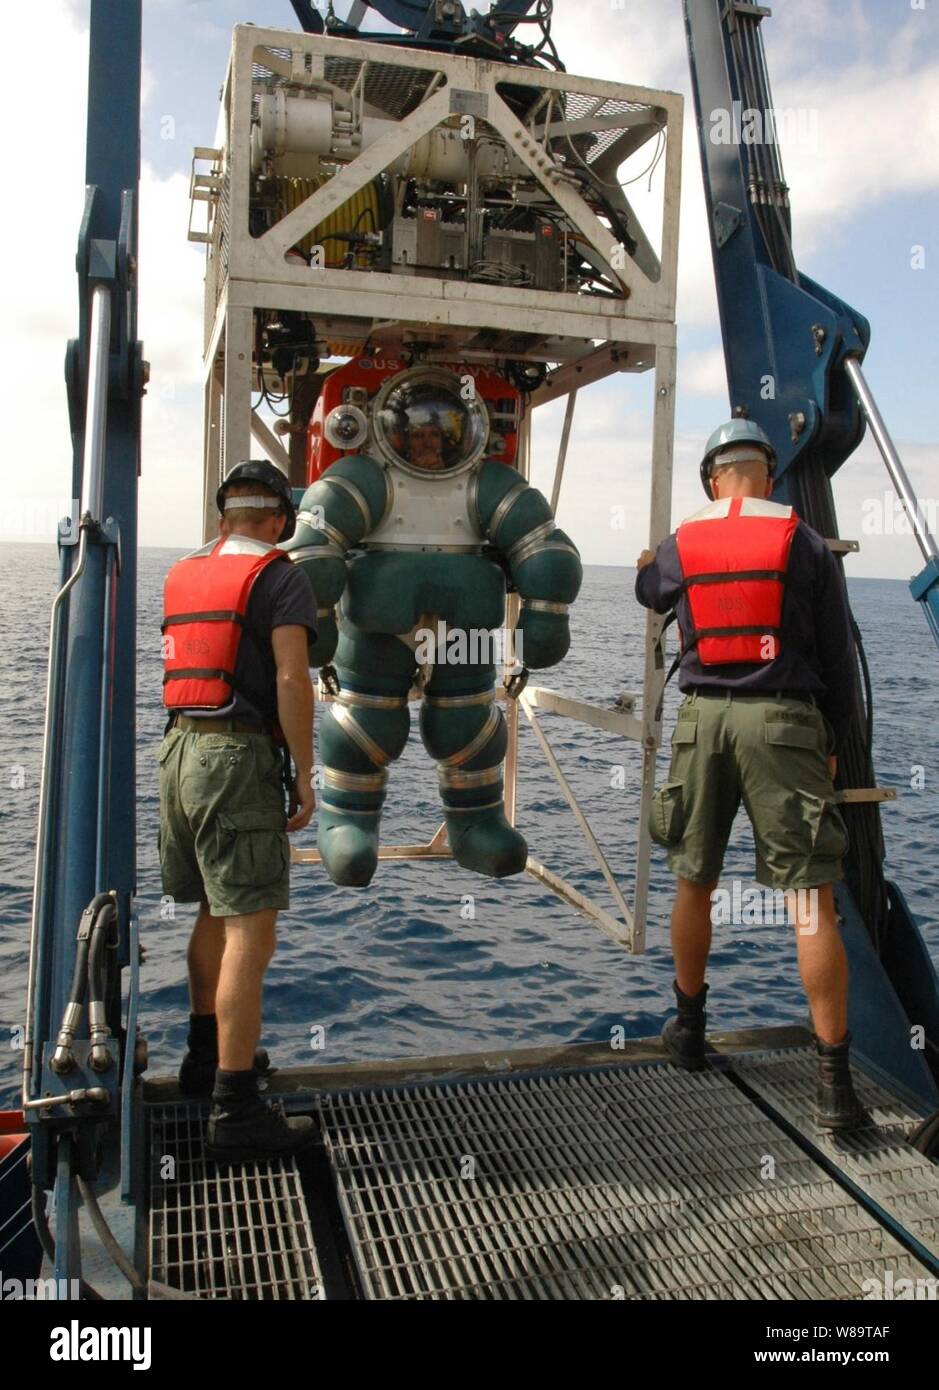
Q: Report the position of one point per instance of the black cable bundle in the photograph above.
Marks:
(864, 870)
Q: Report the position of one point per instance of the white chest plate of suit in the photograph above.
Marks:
(428, 512)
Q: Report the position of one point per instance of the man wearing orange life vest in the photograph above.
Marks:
(237, 620)
(767, 666)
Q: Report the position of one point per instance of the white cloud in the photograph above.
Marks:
(38, 293)
(605, 501)
(605, 494)
(41, 311)
(878, 138)
(637, 41)
(703, 373)
(170, 325)
(697, 293)
(869, 151)
(869, 510)
(877, 119)
(171, 271)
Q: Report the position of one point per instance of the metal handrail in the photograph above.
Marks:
(104, 726)
(96, 422)
(924, 537)
(96, 417)
(40, 877)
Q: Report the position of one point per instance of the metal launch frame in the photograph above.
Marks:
(384, 104)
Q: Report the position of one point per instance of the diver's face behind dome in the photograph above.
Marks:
(425, 446)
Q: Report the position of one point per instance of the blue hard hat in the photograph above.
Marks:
(729, 435)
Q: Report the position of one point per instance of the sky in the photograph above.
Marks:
(864, 180)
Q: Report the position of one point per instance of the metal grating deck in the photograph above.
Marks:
(637, 1182)
(901, 1181)
(238, 1232)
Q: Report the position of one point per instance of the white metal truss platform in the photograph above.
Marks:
(610, 1182)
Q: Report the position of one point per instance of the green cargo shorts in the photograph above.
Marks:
(768, 752)
(222, 818)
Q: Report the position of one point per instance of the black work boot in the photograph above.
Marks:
(837, 1107)
(243, 1127)
(198, 1067)
(683, 1036)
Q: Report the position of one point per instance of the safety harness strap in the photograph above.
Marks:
(206, 673)
(217, 615)
(727, 576)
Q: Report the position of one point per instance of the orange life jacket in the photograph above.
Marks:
(205, 598)
(734, 556)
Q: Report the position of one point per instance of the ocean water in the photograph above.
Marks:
(430, 959)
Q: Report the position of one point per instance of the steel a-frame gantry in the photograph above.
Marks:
(345, 112)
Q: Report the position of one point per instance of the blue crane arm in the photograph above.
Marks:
(78, 1071)
(443, 25)
(785, 337)
(505, 13)
(793, 352)
(422, 17)
(311, 21)
(792, 348)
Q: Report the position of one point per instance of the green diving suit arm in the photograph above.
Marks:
(543, 563)
(336, 513)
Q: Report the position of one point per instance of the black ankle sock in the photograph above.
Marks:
(235, 1085)
(203, 1034)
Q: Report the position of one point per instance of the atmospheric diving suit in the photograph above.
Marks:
(417, 537)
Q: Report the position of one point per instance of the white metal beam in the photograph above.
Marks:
(268, 439)
(364, 168)
(611, 721)
(562, 450)
(607, 923)
(238, 373)
(579, 816)
(660, 510)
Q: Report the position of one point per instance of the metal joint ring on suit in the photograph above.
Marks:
(544, 605)
(503, 508)
(332, 532)
(358, 697)
(453, 777)
(355, 781)
(477, 744)
(542, 547)
(316, 552)
(480, 697)
(357, 495)
(531, 541)
(350, 726)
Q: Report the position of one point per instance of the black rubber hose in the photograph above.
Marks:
(80, 973)
(925, 1137)
(41, 1223)
(864, 864)
(107, 1238)
(97, 945)
(76, 993)
(868, 690)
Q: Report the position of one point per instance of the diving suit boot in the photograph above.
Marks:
(837, 1106)
(683, 1035)
(348, 844)
(243, 1127)
(485, 843)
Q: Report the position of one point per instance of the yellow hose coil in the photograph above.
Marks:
(360, 213)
